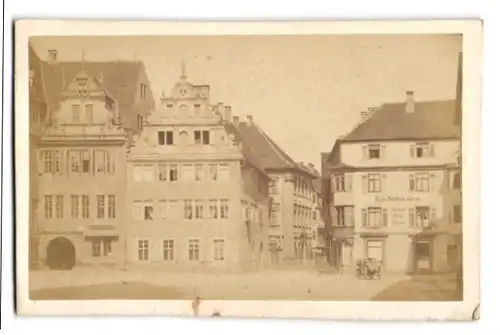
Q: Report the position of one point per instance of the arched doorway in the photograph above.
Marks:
(61, 254)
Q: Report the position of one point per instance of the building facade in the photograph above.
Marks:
(394, 185)
(294, 207)
(93, 110)
(197, 198)
(37, 112)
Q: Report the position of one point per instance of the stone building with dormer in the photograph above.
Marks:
(197, 196)
(94, 108)
(295, 210)
(392, 181)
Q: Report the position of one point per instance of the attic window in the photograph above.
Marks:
(82, 85)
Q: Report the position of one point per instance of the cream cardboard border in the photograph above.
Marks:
(472, 66)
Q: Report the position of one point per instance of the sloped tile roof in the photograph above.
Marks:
(247, 151)
(431, 119)
(120, 79)
(268, 153)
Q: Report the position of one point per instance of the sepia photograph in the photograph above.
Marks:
(313, 167)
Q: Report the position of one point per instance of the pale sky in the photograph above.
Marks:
(304, 91)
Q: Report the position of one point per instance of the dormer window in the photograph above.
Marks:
(374, 151)
(82, 85)
(422, 150)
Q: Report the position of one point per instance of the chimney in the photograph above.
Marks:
(236, 120)
(249, 119)
(410, 102)
(52, 55)
(227, 113)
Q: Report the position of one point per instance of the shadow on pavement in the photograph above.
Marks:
(432, 287)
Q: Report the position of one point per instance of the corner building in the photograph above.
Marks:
(93, 108)
(197, 196)
(395, 182)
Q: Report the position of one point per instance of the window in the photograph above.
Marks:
(197, 137)
(85, 206)
(140, 121)
(85, 161)
(59, 206)
(422, 216)
(198, 169)
(100, 206)
(273, 187)
(161, 138)
(213, 209)
(82, 85)
(342, 183)
(168, 250)
(148, 210)
(374, 151)
(101, 246)
(420, 182)
(212, 168)
(421, 150)
(218, 250)
(75, 208)
(170, 109)
(188, 209)
(143, 250)
(223, 171)
(374, 183)
(198, 209)
(457, 213)
(89, 113)
(110, 162)
(162, 172)
(206, 137)
(143, 91)
(173, 174)
(165, 138)
(111, 207)
(76, 113)
(48, 206)
(99, 161)
(275, 211)
(457, 180)
(197, 109)
(374, 217)
(194, 250)
(79, 161)
(224, 209)
(51, 161)
(96, 247)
